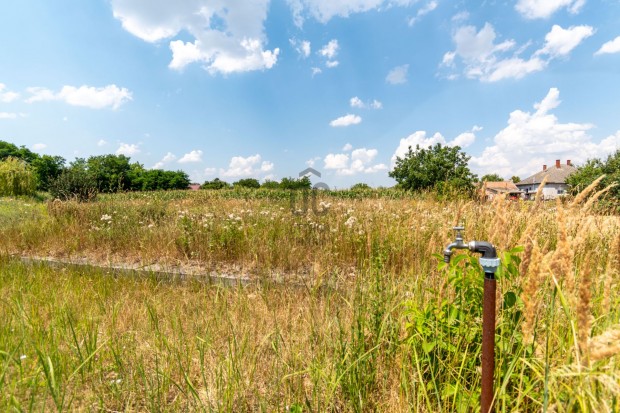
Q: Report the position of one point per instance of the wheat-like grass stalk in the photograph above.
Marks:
(583, 194)
(530, 290)
(605, 345)
(588, 205)
(584, 311)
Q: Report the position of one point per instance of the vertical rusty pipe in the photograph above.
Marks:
(488, 343)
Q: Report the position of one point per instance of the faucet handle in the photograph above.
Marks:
(458, 232)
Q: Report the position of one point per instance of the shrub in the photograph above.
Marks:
(76, 184)
(16, 178)
(215, 184)
(247, 183)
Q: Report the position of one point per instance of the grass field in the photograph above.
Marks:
(350, 310)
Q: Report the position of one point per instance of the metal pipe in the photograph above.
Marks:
(488, 343)
(489, 263)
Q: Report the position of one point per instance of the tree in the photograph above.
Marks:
(74, 183)
(361, 186)
(111, 172)
(491, 178)
(16, 177)
(438, 167)
(515, 179)
(269, 184)
(592, 169)
(247, 183)
(292, 183)
(8, 149)
(47, 168)
(215, 184)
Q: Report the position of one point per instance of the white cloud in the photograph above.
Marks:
(227, 36)
(102, 142)
(7, 96)
(311, 162)
(8, 115)
(360, 161)
(86, 96)
(336, 161)
(302, 47)
(427, 8)
(464, 140)
(329, 52)
(191, 157)
(532, 139)
(612, 46)
(324, 10)
(39, 146)
(356, 102)
(488, 61)
(419, 138)
(346, 120)
(168, 157)
(560, 42)
(250, 166)
(398, 75)
(127, 149)
(210, 171)
(542, 9)
(347, 147)
(316, 71)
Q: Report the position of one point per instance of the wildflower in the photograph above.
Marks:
(106, 217)
(23, 357)
(350, 222)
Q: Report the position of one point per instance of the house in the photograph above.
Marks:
(194, 186)
(505, 188)
(556, 181)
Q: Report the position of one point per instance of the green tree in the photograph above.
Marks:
(247, 183)
(16, 177)
(215, 184)
(8, 149)
(491, 178)
(111, 172)
(74, 183)
(594, 168)
(269, 184)
(361, 186)
(439, 167)
(515, 179)
(47, 168)
(292, 183)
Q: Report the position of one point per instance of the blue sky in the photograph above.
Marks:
(259, 88)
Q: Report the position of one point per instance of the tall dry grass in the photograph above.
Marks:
(373, 323)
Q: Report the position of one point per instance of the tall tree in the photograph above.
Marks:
(491, 178)
(111, 172)
(438, 167)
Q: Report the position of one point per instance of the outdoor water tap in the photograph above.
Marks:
(457, 244)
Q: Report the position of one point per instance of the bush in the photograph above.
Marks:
(247, 183)
(76, 184)
(215, 184)
(16, 178)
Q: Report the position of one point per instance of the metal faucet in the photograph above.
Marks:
(489, 263)
(457, 244)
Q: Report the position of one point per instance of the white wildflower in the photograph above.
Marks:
(350, 222)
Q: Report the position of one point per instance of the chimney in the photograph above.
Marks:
(544, 168)
(557, 163)
(568, 162)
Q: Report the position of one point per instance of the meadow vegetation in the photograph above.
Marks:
(350, 309)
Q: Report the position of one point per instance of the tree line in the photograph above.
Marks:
(82, 177)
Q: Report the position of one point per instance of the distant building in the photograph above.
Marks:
(504, 188)
(194, 187)
(556, 181)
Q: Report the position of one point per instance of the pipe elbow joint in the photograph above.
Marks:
(489, 260)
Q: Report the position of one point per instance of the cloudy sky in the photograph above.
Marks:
(259, 88)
